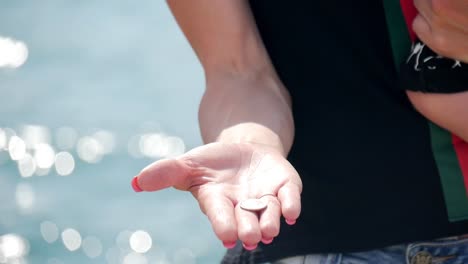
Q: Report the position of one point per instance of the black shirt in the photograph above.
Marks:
(363, 153)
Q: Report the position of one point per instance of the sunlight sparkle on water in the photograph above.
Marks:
(106, 139)
(27, 166)
(3, 139)
(175, 147)
(153, 145)
(13, 53)
(44, 155)
(42, 172)
(17, 148)
(122, 240)
(92, 247)
(64, 163)
(135, 258)
(13, 247)
(89, 149)
(25, 196)
(49, 231)
(71, 239)
(156, 145)
(34, 134)
(140, 241)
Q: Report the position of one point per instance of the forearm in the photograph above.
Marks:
(449, 111)
(244, 100)
(222, 33)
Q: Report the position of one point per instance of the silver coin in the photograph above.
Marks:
(253, 205)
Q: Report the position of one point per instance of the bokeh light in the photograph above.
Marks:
(123, 240)
(27, 166)
(3, 139)
(89, 149)
(49, 231)
(153, 145)
(157, 145)
(13, 247)
(64, 163)
(140, 241)
(175, 147)
(42, 171)
(71, 239)
(92, 247)
(133, 147)
(34, 153)
(44, 155)
(25, 196)
(134, 258)
(106, 140)
(17, 148)
(13, 53)
(34, 135)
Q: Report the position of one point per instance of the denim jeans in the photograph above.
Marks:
(453, 250)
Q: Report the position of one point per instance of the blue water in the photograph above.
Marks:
(113, 65)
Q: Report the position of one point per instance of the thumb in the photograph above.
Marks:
(163, 174)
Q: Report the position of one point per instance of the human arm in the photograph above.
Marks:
(244, 100)
(245, 114)
(443, 26)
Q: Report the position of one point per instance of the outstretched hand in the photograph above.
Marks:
(220, 176)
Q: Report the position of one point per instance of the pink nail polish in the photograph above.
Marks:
(252, 247)
(267, 241)
(229, 245)
(135, 185)
(290, 222)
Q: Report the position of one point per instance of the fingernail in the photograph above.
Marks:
(252, 247)
(229, 244)
(267, 241)
(290, 222)
(135, 185)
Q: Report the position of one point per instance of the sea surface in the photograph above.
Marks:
(94, 92)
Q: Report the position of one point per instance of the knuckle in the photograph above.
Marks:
(441, 44)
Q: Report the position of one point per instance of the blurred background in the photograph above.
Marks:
(90, 93)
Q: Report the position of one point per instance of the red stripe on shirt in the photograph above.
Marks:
(409, 12)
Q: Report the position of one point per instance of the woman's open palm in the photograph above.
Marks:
(220, 176)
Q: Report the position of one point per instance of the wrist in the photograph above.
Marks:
(255, 135)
